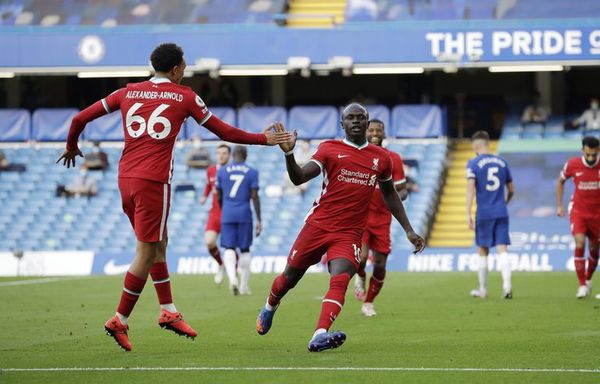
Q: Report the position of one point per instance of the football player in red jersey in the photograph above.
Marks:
(334, 225)
(213, 223)
(153, 112)
(584, 210)
(376, 236)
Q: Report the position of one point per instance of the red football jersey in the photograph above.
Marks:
(210, 188)
(153, 112)
(379, 214)
(586, 198)
(350, 174)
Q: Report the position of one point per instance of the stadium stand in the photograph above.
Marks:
(51, 124)
(192, 128)
(128, 12)
(404, 10)
(553, 129)
(15, 125)
(312, 122)
(300, 13)
(41, 221)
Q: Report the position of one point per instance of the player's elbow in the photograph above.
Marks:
(297, 179)
(78, 120)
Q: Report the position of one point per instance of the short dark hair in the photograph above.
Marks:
(166, 56)
(227, 147)
(377, 121)
(590, 142)
(240, 151)
(481, 135)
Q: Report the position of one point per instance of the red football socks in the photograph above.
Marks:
(334, 300)
(281, 286)
(132, 290)
(216, 254)
(375, 284)
(580, 265)
(592, 263)
(162, 283)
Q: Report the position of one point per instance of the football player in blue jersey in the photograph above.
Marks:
(237, 185)
(489, 179)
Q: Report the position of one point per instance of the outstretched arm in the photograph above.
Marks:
(99, 108)
(392, 200)
(298, 175)
(236, 135)
(77, 125)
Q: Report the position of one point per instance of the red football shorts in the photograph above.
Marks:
(312, 243)
(213, 223)
(378, 238)
(589, 226)
(147, 204)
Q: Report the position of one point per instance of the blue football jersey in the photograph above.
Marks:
(491, 174)
(236, 181)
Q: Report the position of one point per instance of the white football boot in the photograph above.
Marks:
(368, 309)
(582, 292)
(220, 275)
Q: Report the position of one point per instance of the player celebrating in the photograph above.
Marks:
(488, 176)
(237, 184)
(334, 225)
(153, 112)
(376, 236)
(584, 209)
(213, 224)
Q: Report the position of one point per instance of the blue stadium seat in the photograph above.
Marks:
(52, 124)
(314, 122)
(256, 119)
(15, 125)
(416, 121)
(192, 128)
(380, 112)
(106, 128)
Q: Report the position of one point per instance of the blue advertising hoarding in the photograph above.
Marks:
(422, 42)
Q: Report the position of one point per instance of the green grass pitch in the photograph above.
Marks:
(424, 320)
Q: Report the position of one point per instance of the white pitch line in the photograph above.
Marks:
(382, 369)
(38, 281)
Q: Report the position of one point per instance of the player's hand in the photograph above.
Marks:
(202, 200)
(68, 157)
(560, 211)
(290, 144)
(276, 134)
(470, 222)
(258, 228)
(416, 240)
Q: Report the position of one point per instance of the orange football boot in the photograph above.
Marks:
(174, 322)
(118, 331)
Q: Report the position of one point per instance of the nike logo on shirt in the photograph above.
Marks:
(342, 156)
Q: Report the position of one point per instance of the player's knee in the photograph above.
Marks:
(379, 262)
(293, 275)
(341, 266)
